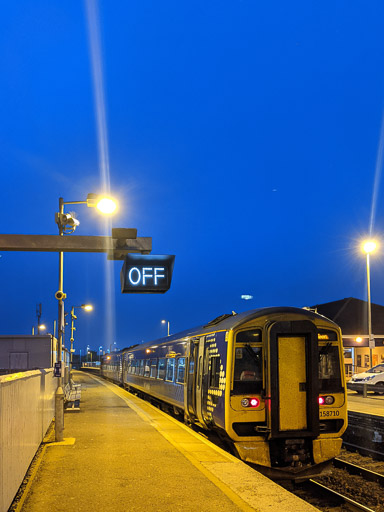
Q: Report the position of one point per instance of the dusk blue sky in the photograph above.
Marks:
(244, 137)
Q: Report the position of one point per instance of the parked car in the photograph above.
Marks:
(372, 378)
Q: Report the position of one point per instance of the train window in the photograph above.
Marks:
(132, 368)
(170, 370)
(180, 370)
(147, 368)
(141, 369)
(153, 368)
(214, 377)
(248, 374)
(329, 369)
(161, 368)
(249, 336)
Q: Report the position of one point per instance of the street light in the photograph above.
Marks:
(369, 246)
(166, 322)
(86, 307)
(67, 224)
(40, 327)
(100, 351)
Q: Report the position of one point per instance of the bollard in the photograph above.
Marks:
(364, 391)
(59, 414)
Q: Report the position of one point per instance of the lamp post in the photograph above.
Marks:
(67, 225)
(86, 307)
(166, 322)
(40, 327)
(369, 247)
(100, 351)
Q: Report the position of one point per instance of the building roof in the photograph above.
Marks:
(352, 315)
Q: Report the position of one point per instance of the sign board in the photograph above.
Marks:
(147, 273)
(371, 343)
(57, 370)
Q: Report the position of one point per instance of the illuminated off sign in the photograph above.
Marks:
(146, 273)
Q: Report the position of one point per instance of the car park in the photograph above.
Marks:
(373, 379)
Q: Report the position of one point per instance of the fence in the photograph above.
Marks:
(27, 403)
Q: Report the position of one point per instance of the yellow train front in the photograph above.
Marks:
(270, 381)
(285, 391)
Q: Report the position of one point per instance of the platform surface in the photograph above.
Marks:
(122, 454)
(372, 404)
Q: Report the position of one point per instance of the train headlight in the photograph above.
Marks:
(250, 402)
(327, 400)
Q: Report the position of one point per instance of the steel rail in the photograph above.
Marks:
(365, 451)
(320, 489)
(353, 469)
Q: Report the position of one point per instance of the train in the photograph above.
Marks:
(270, 382)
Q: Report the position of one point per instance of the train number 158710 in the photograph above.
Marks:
(327, 414)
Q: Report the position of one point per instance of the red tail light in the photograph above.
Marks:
(254, 402)
(250, 402)
(321, 400)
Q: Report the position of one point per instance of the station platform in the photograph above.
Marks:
(372, 405)
(122, 454)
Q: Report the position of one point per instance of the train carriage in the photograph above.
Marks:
(270, 381)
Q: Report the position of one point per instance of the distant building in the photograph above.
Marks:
(23, 353)
(352, 316)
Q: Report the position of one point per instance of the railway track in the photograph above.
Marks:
(328, 497)
(353, 469)
(348, 488)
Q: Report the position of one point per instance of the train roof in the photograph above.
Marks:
(231, 321)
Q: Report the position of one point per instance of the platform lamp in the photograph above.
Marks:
(166, 322)
(40, 327)
(369, 246)
(86, 307)
(67, 223)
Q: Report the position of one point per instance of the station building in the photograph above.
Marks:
(352, 316)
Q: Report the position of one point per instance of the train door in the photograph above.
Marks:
(195, 379)
(293, 379)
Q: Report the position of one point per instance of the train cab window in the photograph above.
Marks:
(153, 368)
(170, 369)
(141, 370)
(249, 336)
(248, 373)
(329, 369)
(161, 368)
(180, 370)
(214, 376)
(147, 368)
